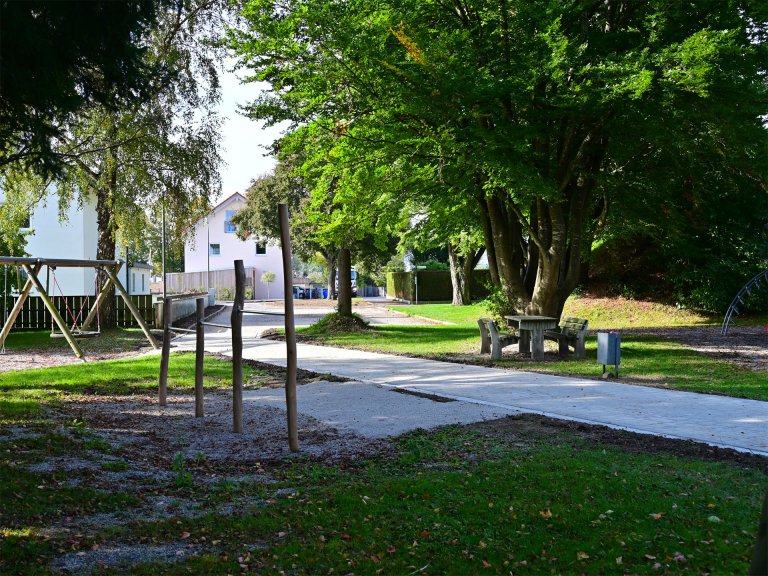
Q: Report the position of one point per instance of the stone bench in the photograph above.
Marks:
(493, 341)
(573, 332)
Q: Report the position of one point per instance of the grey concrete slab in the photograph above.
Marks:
(374, 411)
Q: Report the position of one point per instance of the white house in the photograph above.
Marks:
(74, 237)
(213, 245)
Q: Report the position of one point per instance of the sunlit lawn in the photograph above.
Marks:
(648, 359)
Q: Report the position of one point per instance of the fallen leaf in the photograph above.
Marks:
(184, 536)
(678, 557)
(649, 557)
(582, 556)
(545, 513)
(656, 516)
(486, 564)
(619, 561)
(714, 519)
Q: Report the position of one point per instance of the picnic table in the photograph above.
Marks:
(531, 330)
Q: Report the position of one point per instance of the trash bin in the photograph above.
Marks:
(609, 349)
(325, 292)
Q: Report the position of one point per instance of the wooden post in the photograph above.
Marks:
(97, 303)
(129, 303)
(17, 307)
(32, 274)
(199, 357)
(290, 331)
(162, 392)
(237, 347)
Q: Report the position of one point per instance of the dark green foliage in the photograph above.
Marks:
(57, 57)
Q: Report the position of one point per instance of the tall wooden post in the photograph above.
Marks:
(290, 331)
(32, 275)
(199, 356)
(162, 393)
(237, 347)
(18, 306)
(112, 274)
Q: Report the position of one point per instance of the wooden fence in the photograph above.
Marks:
(35, 316)
(222, 280)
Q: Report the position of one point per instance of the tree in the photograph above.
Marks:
(267, 278)
(57, 58)
(137, 160)
(529, 109)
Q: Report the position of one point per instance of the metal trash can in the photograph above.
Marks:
(609, 349)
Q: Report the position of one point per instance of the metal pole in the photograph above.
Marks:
(163, 248)
(290, 331)
(208, 247)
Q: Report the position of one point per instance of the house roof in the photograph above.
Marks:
(213, 210)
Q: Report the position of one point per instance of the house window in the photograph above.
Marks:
(214, 249)
(261, 248)
(229, 228)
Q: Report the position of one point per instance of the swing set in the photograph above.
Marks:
(78, 329)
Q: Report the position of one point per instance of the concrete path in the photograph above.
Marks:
(483, 393)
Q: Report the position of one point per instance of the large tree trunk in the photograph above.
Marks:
(461, 274)
(345, 282)
(105, 244)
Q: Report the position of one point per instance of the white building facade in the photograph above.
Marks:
(74, 237)
(213, 245)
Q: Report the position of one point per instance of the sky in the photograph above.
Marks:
(243, 140)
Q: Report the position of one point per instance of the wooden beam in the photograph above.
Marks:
(290, 331)
(32, 274)
(199, 356)
(99, 299)
(162, 389)
(129, 303)
(237, 347)
(17, 307)
(56, 262)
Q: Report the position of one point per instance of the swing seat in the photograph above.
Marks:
(84, 334)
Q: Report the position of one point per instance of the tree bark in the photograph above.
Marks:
(330, 262)
(105, 244)
(345, 283)
(459, 280)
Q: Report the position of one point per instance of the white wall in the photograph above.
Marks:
(74, 237)
(196, 257)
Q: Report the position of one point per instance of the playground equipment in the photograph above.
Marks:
(757, 282)
(236, 326)
(33, 266)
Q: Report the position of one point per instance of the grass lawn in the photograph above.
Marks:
(110, 340)
(646, 359)
(23, 392)
(521, 495)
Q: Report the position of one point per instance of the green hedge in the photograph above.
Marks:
(433, 285)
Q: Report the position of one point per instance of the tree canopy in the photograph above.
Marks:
(58, 57)
(532, 110)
